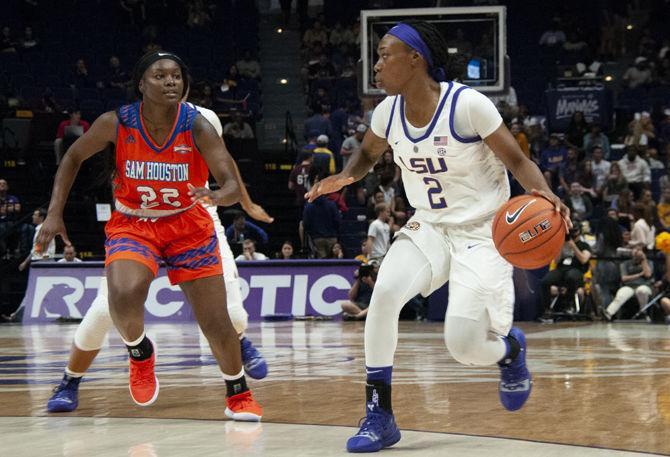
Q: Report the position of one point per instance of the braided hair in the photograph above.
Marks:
(439, 49)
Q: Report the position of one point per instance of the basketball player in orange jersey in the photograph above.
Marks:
(96, 324)
(164, 152)
(453, 149)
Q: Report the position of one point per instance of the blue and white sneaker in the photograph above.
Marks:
(378, 431)
(253, 361)
(515, 379)
(65, 398)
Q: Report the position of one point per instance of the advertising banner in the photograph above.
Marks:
(562, 103)
(272, 287)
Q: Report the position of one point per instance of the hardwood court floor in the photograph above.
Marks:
(595, 385)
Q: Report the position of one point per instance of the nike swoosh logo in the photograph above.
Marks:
(472, 245)
(373, 371)
(511, 218)
(397, 142)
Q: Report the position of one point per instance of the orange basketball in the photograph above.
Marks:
(528, 232)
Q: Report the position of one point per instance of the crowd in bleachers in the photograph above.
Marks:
(88, 64)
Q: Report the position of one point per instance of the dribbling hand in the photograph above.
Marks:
(328, 186)
(558, 204)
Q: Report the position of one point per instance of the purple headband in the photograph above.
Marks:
(408, 35)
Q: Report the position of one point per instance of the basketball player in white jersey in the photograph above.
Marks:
(97, 322)
(453, 150)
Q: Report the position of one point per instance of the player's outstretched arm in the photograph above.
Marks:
(503, 145)
(358, 166)
(220, 164)
(101, 134)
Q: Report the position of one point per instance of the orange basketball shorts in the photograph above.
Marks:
(186, 242)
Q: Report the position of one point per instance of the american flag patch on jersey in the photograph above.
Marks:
(440, 141)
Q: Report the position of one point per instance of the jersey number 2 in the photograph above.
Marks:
(148, 196)
(434, 191)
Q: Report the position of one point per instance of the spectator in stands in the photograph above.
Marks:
(286, 252)
(72, 128)
(322, 70)
(7, 42)
(569, 169)
(324, 157)
(318, 123)
(248, 66)
(314, 35)
(636, 279)
(28, 41)
(577, 129)
(663, 211)
(551, 159)
(298, 180)
(116, 75)
(520, 138)
(572, 263)
(651, 156)
(606, 273)
(242, 229)
(198, 16)
(635, 170)
(336, 251)
(238, 128)
(229, 83)
(38, 218)
(81, 79)
(379, 233)
(638, 75)
(340, 35)
(363, 256)
(664, 181)
(664, 128)
(387, 167)
(664, 287)
(206, 98)
(600, 169)
(579, 202)
(48, 102)
(352, 143)
(647, 200)
(69, 255)
(318, 98)
(643, 233)
(10, 209)
(249, 251)
(321, 220)
(356, 308)
(596, 138)
(554, 37)
(636, 137)
(624, 205)
(615, 184)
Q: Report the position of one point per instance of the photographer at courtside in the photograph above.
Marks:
(356, 308)
(571, 264)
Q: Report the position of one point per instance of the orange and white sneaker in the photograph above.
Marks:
(143, 383)
(243, 407)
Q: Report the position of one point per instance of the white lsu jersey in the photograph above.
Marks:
(449, 179)
(213, 119)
